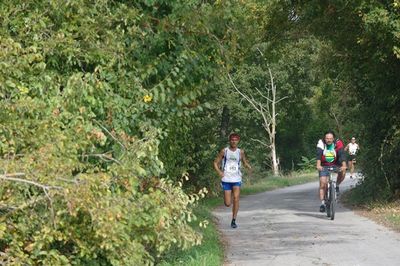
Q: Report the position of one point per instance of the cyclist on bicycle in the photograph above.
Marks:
(330, 153)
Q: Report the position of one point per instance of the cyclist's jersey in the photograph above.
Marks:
(353, 148)
(330, 154)
(231, 166)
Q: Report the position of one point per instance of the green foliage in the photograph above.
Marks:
(87, 93)
(365, 40)
(210, 252)
(105, 104)
(307, 163)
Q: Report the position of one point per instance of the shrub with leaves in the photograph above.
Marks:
(87, 90)
(74, 192)
(307, 163)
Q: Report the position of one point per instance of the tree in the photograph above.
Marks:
(87, 92)
(364, 41)
(265, 105)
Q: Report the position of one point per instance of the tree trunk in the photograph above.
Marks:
(225, 117)
(265, 105)
(273, 123)
(275, 165)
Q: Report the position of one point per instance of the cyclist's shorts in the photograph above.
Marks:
(229, 186)
(325, 172)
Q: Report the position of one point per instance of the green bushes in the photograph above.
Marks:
(307, 164)
(87, 92)
(66, 199)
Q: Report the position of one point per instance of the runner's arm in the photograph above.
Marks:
(217, 162)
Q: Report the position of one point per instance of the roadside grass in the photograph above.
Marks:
(211, 250)
(258, 183)
(384, 213)
(394, 218)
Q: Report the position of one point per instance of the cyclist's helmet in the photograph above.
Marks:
(234, 136)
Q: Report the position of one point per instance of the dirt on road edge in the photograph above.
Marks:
(386, 214)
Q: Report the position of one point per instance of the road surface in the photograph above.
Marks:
(284, 227)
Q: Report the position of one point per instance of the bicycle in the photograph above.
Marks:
(330, 193)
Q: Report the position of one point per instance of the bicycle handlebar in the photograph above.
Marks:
(332, 168)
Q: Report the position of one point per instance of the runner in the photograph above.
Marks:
(228, 166)
(352, 148)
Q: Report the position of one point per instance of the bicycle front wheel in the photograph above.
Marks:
(332, 201)
(328, 201)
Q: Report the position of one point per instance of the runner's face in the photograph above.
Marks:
(234, 142)
(353, 140)
(329, 139)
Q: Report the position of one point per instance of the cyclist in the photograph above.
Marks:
(352, 148)
(230, 160)
(330, 153)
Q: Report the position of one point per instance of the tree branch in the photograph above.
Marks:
(262, 95)
(283, 98)
(243, 95)
(51, 206)
(110, 134)
(9, 177)
(260, 141)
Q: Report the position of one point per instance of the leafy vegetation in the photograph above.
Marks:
(210, 252)
(87, 94)
(106, 104)
(364, 37)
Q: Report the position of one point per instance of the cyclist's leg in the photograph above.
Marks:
(323, 184)
(236, 194)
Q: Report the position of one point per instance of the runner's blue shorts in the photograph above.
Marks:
(229, 186)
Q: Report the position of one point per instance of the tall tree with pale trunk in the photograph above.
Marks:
(265, 103)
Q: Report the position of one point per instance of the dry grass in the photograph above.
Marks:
(386, 214)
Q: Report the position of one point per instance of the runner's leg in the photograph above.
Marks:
(227, 198)
(351, 165)
(236, 194)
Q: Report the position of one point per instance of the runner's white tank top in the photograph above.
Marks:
(353, 147)
(231, 166)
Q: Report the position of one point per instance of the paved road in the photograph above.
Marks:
(284, 227)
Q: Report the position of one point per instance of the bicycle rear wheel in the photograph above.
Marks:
(332, 201)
